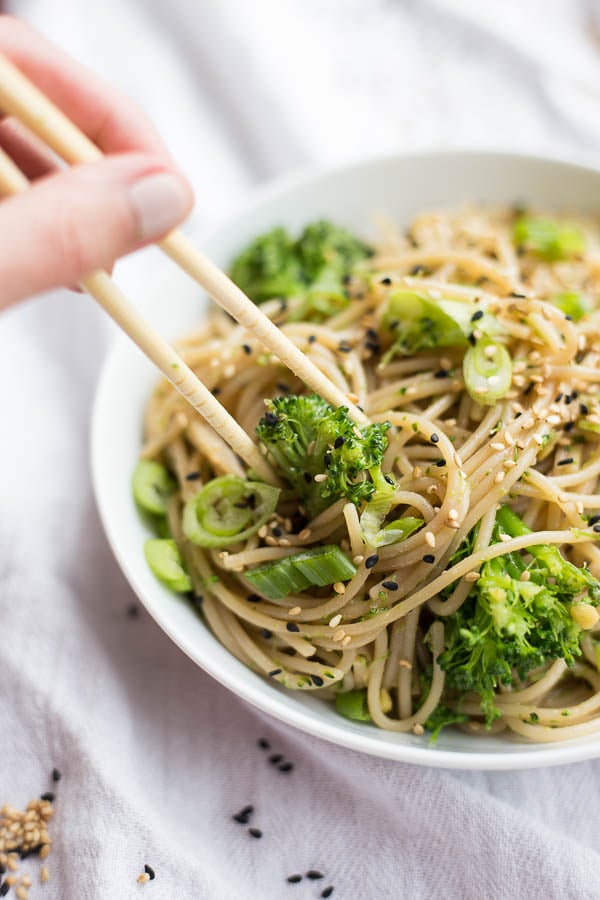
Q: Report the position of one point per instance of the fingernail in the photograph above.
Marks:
(160, 203)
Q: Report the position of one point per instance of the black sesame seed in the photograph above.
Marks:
(281, 386)
(2, 869)
(574, 395)
(264, 744)
(390, 585)
(327, 459)
(149, 871)
(558, 398)
(519, 296)
(49, 796)
(593, 519)
(255, 832)
(312, 338)
(56, 776)
(192, 476)
(291, 626)
(441, 373)
(372, 334)
(289, 651)
(276, 758)
(429, 558)
(568, 318)
(371, 561)
(385, 281)
(4, 889)
(569, 426)
(133, 610)
(294, 879)
(247, 349)
(241, 818)
(275, 672)
(308, 477)
(389, 479)
(471, 339)
(477, 315)
(253, 598)
(216, 391)
(276, 531)
(339, 442)
(596, 528)
(327, 892)
(568, 400)
(528, 389)
(419, 269)
(373, 346)
(197, 600)
(566, 461)
(314, 875)
(435, 438)
(584, 409)
(440, 462)
(286, 767)
(266, 633)
(344, 347)
(271, 418)
(318, 680)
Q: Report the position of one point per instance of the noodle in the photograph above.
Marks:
(454, 461)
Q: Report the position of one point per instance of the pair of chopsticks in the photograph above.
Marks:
(23, 100)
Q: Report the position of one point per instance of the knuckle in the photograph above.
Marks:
(70, 245)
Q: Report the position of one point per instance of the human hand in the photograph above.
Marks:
(74, 221)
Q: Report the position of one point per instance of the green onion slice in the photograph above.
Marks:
(572, 304)
(353, 705)
(549, 240)
(227, 510)
(166, 562)
(416, 322)
(487, 370)
(152, 486)
(317, 567)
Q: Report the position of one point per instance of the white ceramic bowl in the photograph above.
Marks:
(401, 186)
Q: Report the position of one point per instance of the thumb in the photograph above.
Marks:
(71, 223)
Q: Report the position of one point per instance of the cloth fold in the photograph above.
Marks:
(155, 757)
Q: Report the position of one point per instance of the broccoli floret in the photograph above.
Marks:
(312, 268)
(269, 267)
(306, 437)
(509, 625)
(326, 248)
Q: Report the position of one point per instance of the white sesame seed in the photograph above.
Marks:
(525, 576)
(496, 445)
(480, 390)
(418, 729)
(339, 587)
(335, 621)
(405, 664)
(538, 438)
(499, 477)
(143, 878)
(471, 576)
(295, 610)
(320, 478)
(305, 534)
(339, 635)
(417, 472)
(430, 538)
(504, 537)
(452, 513)
(357, 560)
(45, 874)
(508, 438)
(553, 420)
(346, 640)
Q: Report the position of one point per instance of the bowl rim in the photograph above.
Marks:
(272, 702)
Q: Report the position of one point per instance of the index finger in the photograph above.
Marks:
(110, 120)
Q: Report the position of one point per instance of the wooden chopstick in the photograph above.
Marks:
(110, 297)
(22, 99)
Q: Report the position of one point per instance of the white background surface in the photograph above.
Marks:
(155, 756)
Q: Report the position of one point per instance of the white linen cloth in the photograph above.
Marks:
(155, 756)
